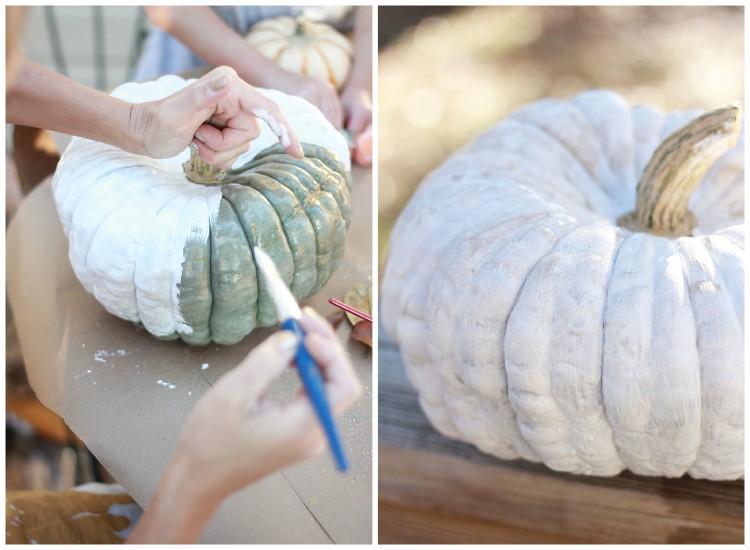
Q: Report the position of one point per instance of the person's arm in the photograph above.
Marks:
(210, 38)
(236, 436)
(41, 98)
(356, 97)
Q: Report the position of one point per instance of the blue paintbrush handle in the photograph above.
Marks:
(313, 382)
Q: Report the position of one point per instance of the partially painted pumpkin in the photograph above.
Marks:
(551, 307)
(304, 47)
(155, 248)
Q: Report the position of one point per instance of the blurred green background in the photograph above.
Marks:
(447, 74)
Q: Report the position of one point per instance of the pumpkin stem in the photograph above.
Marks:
(199, 171)
(300, 28)
(676, 169)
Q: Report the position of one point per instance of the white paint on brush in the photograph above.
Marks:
(276, 127)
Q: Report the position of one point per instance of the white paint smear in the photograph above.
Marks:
(204, 366)
(278, 129)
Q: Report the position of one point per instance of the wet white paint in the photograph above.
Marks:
(277, 128)
(204, 366)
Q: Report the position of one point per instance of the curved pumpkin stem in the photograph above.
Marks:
(199, 171)
(676, 169)
(300, 29)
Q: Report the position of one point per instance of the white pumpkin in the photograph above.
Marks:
(534, 326)
(156, 248)
(304, 47)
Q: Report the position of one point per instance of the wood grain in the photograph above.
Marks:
(436, 490)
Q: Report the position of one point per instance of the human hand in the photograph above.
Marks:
(318, 92)
(235, 435)
(217, 115)
(356, 102)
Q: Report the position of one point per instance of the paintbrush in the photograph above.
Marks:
(289, 314)
(350, 309)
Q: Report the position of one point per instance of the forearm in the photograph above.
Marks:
(42, 98)
(209, 37)
(361, 75)
(179, 511)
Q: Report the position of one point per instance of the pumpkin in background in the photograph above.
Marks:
(547, 310)
(156, 248)
(300, 46)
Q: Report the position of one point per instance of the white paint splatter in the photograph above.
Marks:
(103, 354)
(204, 366)
(82, 374)
(279, 129)
(166, 384)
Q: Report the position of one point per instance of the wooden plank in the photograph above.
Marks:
(436, 490)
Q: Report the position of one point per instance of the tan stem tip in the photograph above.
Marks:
(675, 170)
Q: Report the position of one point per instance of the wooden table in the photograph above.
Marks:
(436, 490)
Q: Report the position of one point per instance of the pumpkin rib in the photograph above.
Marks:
(484, 345)
(81, 243)
(194, 284)
(514, 135)
(324, 171)
(717, 195)
(720, 247)
(262, 227)
(326, 229)
(409, 295)
(287, 179)
(555, 385)
(721, 365)
(331, 77)
(297, 230)
(656, 434)
(152, 286)
(234, 309)
(610, 118)
(342, 46)
(548, 121)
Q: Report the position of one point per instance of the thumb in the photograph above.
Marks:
(216, 86)
(199, 101)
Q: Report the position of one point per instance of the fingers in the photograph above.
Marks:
(312, 321)
(342, 386)
(262, 365)
(203, 95)
(220, 159)
(270, 113)
(359, 118)
(221, 147)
